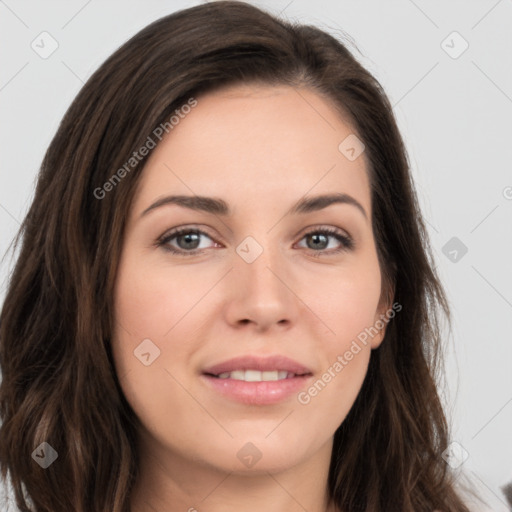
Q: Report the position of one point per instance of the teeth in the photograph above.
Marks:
(256, 375)
(253, 376)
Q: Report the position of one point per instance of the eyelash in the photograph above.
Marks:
(347, 243)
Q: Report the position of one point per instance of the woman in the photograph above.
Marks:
(253, 369)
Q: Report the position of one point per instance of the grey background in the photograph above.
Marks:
(454, 113)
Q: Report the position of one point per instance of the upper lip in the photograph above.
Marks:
(270, 363)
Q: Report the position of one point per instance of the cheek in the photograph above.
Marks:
(347, 302)
(153, 303)
(150, 301)
(141, 313)
(329, 398)
(349, 310)
(146, 308)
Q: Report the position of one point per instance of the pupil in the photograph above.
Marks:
(316, 238)
(187, 237)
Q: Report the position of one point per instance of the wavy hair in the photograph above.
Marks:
(58, 380)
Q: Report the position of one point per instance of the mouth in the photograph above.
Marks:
(257, 381)
(257, 376)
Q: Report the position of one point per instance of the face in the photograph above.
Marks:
(236, 338)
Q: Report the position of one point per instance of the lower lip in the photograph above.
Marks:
(257, 393)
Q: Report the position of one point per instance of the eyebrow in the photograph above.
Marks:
(218, 206)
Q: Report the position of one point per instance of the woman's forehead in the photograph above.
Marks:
(249, 141)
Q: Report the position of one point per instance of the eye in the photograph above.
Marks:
(319, 241)
(186, 241)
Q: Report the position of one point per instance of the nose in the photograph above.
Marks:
(260, 293)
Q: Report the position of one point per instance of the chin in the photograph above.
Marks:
(253, 455)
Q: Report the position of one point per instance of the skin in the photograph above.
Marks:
(260, 149)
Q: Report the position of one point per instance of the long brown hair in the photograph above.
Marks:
(59, 385)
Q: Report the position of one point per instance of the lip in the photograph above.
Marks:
(257, 393)
(276, 362)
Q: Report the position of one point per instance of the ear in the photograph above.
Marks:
(386, 310)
